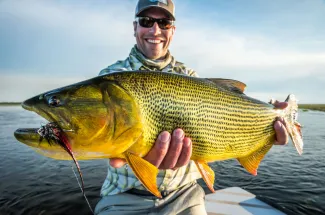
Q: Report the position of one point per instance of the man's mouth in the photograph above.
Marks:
(154, 41)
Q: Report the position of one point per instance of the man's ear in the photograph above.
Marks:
(174, 29)
(135, 25)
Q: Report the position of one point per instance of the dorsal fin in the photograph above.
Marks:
(233, 85)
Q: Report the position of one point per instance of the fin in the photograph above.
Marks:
(233, 85)
(252, 161)
(126, 126)
(207, 174)
(292, 126)
(126, 139)
(145, 172)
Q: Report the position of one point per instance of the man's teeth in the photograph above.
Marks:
(154, 41)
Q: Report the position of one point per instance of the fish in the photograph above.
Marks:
(120, 115)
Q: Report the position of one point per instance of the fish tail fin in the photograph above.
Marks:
(292, 126)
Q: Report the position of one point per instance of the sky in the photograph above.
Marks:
(276, 47)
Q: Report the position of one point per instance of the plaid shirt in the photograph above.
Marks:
(119, 180)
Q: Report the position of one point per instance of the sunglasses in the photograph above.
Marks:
(148, 22)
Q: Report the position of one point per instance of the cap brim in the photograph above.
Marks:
(157, 6)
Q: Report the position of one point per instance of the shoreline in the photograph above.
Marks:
(317, 107)
(10, 103)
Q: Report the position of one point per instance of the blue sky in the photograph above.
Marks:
(275, 47)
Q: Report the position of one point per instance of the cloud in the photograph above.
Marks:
(17, 88)
(231, 51)
(50, 43)
(55, 37)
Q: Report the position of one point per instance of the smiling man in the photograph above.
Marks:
(121, 192)
(154, 42)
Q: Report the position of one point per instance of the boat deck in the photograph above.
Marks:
(235, 200)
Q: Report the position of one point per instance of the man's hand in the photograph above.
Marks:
(280, 130)
(169, 151)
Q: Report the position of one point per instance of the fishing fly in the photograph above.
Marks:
(53, 134)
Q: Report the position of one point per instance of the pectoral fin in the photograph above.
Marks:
(126, 139)
(144, 171)
(252, 161)
(207, 174)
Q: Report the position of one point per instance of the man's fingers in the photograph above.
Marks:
(280, 132)
(280, 105)
(279, 125)
(117, 162)
(174, 150)
(160, 149)
(169, 152)
(186, 153)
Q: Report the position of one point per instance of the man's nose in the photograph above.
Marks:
(155, 29)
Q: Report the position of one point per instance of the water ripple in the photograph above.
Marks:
(33, 184)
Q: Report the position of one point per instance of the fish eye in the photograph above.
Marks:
(54, 101)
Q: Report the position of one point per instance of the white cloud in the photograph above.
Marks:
(61, 38)
(252, 54)
(17, 88)
(83, 39)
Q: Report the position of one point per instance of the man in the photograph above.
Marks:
(122, 193)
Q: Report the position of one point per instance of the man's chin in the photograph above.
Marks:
(156, 55)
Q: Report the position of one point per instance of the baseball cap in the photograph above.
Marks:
(166, 5)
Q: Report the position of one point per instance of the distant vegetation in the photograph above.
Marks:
(9, 103)
(319, 107)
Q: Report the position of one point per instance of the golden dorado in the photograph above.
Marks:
(121, 114)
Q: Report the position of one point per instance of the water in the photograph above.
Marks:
(33, 184)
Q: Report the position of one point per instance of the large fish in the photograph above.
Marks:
(121, 115)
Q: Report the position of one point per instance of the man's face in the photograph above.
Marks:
(153, 42)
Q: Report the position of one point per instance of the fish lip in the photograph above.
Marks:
(38, 105)
(28, 136)
(29, 103)
(33, 134)
(25, 131)
(26, 107)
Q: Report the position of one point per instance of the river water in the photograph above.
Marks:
(33, 184)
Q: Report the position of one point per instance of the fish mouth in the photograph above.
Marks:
(38, 105)
(49, 138)
(53, 134)
(28, 136)
(34, 137)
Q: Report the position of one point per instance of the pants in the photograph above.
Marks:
(186, 200)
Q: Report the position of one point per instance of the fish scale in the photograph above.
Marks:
(214, 122)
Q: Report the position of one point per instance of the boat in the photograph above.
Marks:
(235, 200)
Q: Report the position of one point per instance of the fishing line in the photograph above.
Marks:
(83, 192)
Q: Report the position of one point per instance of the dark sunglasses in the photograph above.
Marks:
(148, 22)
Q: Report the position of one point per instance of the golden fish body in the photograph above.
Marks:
(121, 115)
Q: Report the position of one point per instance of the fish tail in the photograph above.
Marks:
(292, 126)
